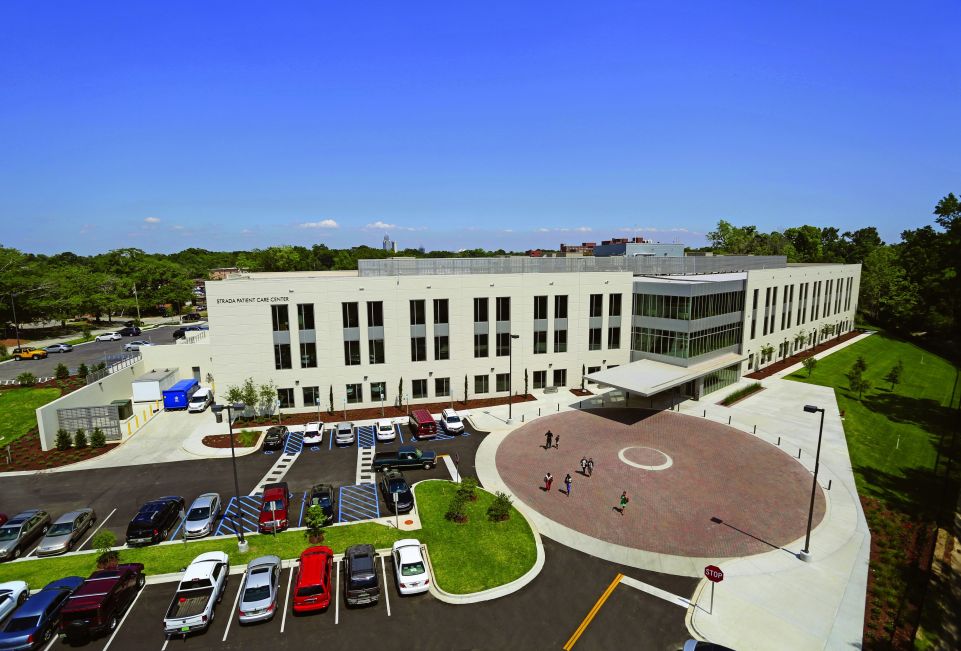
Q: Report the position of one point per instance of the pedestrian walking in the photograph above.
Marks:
(623, 503)
(590, 466)
(567, 484)
(584, 466)
(548, 480)
(557, 441)
(550, 437)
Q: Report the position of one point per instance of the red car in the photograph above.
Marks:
(312, 589)
(273, 509)
(3, 519)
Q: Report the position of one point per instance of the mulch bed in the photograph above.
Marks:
(744, 397)
(27, 455)
(69, 385)
(771, 369)
(580, 393)
(222, 441)
(371, 413)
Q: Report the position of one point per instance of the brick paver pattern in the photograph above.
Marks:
(758, 491)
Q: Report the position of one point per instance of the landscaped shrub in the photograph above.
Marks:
(4, 353)
(106, 557)
(500, 508)
(27, 379)
(97, 438)
(457, 510)
(741, 393)
(467, 487)
(314, 520)
(80, 439)
(64, 440)
(83, 371)
(62, 372)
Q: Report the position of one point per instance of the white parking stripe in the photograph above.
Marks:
(383, 570)
(656, 592)
(53, 640)
(283, 620)
(234, 608)
(337, 597)
(166, 642)
(124, 618)
(102, 522)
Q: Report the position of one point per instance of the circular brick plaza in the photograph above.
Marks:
(696, 488)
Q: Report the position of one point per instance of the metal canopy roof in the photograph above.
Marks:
(646, 377)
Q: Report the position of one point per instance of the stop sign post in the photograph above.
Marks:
(715, 575)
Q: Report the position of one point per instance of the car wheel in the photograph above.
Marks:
(47, 634)
(23, 597)
(428, 466)
(16, 553)
(17, 357)
(141, 581)
(113, 623)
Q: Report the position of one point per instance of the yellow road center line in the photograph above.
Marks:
(590, 616)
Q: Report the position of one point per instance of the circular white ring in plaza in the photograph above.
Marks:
(668, 461)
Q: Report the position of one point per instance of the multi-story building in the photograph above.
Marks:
(430, 330)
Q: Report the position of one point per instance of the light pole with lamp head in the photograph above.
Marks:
(218, 412)
(805, 554)
(510, 377)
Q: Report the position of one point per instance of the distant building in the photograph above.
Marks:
(638, 246)
(389, 244)
(223, 272)
(585, 248)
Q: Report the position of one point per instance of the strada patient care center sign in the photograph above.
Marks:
(254, 299)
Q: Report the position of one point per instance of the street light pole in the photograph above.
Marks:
(510, 376)
(16, 326)
(137, 299)
(805, 554)
(218, 409)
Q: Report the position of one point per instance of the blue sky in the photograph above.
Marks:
(516, 125)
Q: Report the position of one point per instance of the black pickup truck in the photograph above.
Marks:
(406, 456)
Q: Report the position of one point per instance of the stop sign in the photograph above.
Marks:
(713, 574)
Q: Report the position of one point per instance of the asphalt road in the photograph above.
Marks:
(89, 353)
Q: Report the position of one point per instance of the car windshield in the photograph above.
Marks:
(60, 528)
(310, 591)
(273, 505)
(18, 624)
(200, 513)
(257, 594)
(412, 569)
(398, 486)
(9, 533)
(453, 419)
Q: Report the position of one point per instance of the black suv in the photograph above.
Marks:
(393, 483)
(154, 521)
(276, 438)
(190, 316)
(322, 495)
(361, 586)
(130, 331)
(180, 333)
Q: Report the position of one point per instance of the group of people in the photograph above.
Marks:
(587, 469)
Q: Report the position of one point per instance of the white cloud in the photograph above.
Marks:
(543, 230)
(152, 220)
(324, 223)
(508, 230)
(579, 229)
(384, 226)
(246, 231)
(583, 229)
(652, 229)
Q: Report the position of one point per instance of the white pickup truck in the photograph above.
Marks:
(200, 589)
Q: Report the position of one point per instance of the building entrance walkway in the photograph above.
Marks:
(696, 488)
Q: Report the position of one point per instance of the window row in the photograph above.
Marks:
(682, 344)
(688, 308)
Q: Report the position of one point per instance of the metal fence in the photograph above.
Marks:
(522, 265)
(113, 364)
(106, 417)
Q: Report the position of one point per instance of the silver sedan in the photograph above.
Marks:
(202, 516)
(59, 348)
(258, 594)
(66, 532)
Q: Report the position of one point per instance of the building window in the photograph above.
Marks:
(349, 315)
(442, 347)
(685, 344)
(614, 338)
(594, 339)
(308, 355)
(614, 305)
(480, 310)
(417, 313)
(540, 342)
(282, 356)
(480, 346)
(560, 377)
(560, 341)
(754, 316)
(418, 388)
(597, 304)
(560, 307)
(351, 353)
(278, 314)
(503, 382)
(375, 314)
(540, 307)
(311, 396)
(440, 310)
(441, 386)
(503, 344)
(540, 379)
(305, 316)
(592, 369)
(503, 308)
(418, 349)
(375, 350)
(378, 391)
(481, 384)
(355, 394)
(285, 398)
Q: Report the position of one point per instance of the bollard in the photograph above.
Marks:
(705, 413)
(538, 411)
(522, 418)
(728, 420)
(799, 453)
(779, 441)
(829, 483)
(558, 406)
(755, 429)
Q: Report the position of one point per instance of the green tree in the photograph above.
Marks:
(80, 439)
(97, 438)
(465, 388)
(894, 375)
(83, 371)
(860, 365)
(62, 372)
(886, 295)
(64, 441)
(267, 398)
(26, 379)
(330, 404)
(314, 521)
(500, 509)
(809, 364)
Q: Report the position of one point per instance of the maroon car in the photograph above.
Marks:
(273, 509)
(97, 606)
(3, 519)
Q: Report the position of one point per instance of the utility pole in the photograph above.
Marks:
(137, 299)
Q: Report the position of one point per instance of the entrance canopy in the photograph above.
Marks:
(645, 377)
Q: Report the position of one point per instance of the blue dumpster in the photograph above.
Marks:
(177, 396)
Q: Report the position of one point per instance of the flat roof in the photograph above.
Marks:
(704, 278)
(647, 377)
(267, 275)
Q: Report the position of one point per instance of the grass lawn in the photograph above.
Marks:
(246, 438)
(894, 436)
(19, 409)
(478, 554)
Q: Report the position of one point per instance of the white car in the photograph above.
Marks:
(109, 336)
(12, 595)
(412, 575)
(314, 433)
(451, 422)
(136, 345)
(386, 430)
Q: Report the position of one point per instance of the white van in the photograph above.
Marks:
(200, 400)
(451, 422)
